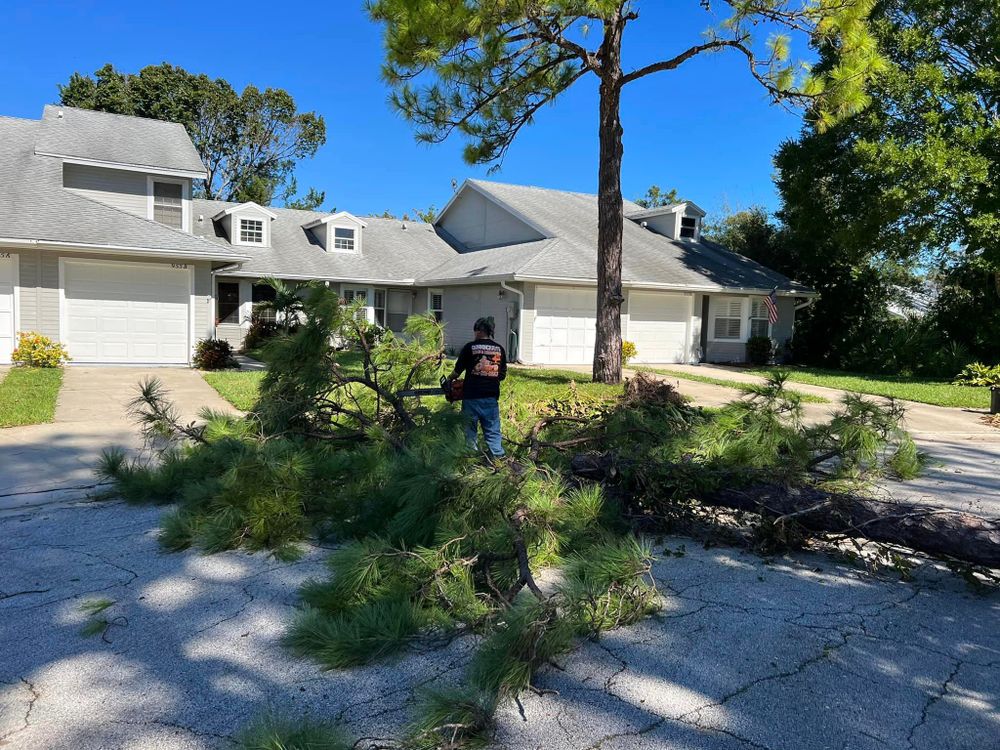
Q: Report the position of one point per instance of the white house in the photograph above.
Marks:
(103, 247)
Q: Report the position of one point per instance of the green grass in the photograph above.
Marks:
(523, 386)
(807, 398)
(238, 387)
(936, 392)
(28, 395)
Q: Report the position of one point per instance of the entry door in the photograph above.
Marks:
(127, 312)
(8, 280)
(565, 326)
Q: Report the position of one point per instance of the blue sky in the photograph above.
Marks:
(706, 129)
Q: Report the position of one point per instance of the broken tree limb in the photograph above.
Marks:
(925, 528)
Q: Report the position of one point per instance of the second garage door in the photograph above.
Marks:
(119, 312)
(658, 325)
(565, 326)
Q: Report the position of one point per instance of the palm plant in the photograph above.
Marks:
(287, 302)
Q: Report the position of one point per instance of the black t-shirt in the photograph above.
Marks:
(484, 363)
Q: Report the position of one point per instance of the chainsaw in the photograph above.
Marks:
(450, 389)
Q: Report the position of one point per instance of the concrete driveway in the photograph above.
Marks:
(55, 462)
(796, 653)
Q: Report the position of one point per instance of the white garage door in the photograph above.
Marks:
(126, 312)
(658, 325)
(8, 278)
(565, 326)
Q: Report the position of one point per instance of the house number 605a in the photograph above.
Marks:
(178, 265)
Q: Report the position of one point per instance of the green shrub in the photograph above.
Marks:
(214, 354)
(273, 732)
(978, 374)
(261, 331)
(759, 350)
(36, 350)
(629, 352)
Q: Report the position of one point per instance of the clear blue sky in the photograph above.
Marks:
(706, 129)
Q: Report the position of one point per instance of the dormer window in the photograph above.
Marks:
(689, 228)
(252, 231)
(343, 238)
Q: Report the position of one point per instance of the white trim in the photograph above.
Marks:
(673, 208)
(165, 171)
(751, 318)
(63, 323)
(243, 207)
(237, 230)
(334, 217)
(369, 291)
(186, 257)
(185, 200)
(15, 320)
(430, 302)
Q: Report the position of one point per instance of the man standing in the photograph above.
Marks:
(484, 363)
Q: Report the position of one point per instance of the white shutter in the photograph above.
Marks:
(728, 319)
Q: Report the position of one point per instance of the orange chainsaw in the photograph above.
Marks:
(450, 389)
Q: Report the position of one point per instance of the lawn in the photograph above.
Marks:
(523, 387)
(28, 395)
(807, 398)
(925, 391)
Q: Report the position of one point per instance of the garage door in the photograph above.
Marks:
(565, 326)
(658, 325)
(126, 312)
(8, 276)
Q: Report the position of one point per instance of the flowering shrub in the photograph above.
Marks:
(36, 350)
(629, 351)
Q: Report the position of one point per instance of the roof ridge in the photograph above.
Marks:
(532, 187)
(18, 119)
(115, 114)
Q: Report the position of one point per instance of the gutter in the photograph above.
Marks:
(21, 242)
(808, 303)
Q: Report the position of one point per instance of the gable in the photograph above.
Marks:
(478, 222)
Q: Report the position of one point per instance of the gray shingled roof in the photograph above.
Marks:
(35, 207)
(121, 139)
(389, 252)
(647, 257)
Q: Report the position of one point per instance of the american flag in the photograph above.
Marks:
(771, 301)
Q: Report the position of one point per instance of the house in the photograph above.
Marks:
(104, 247)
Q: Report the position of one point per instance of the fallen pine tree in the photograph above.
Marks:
(925, 528)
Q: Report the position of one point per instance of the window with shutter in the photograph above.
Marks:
(727, 324)
(437, 305)
(759, 324)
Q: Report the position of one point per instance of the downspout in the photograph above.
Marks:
(803, 305)
(520, 309)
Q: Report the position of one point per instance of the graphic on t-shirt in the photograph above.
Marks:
(487, 360)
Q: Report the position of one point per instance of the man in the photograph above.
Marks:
(484, 363)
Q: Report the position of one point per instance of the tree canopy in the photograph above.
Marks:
(249, 142)
(484, 69)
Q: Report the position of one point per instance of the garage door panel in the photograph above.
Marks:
(121, 312)
(659, 326)
(565, 322)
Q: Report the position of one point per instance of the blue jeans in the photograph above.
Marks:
(485, 412)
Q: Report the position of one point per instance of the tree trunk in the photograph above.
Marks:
(926, 528)
(610, 215)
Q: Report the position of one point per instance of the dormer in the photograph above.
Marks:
(340, 233)
(247, 224)
(678, 221)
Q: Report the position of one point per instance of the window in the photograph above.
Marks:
(727, 324)
(228, 303)
(343, 238)
(435, 304)
(379, 307)
(168, 204)
(689, 227)
(252, 231)
(353, 295)
(264, 293)
(759, 323)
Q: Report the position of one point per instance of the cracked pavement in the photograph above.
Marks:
(795, 653)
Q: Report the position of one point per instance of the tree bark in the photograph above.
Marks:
(610, 214)
(925, 528)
